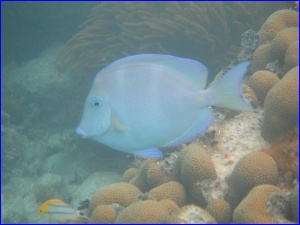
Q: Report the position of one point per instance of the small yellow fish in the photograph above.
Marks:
(60, 212)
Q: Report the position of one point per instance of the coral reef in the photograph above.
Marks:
(211, 29)
(249, 42)
(194, 214)
(282, 41)
(147, 211)
(261, 57)
(257, 207)
(194, 166)
(129, 174)
(220, 210)
(103, 214)
(278, 32)
(281, 106)
(120, 193)
(172, 190)
(291, 55)
(140, 179)
(276, 22)
(170, 205)
(253, 169)
(153, 173)
(35, 158)
(278, 53)
(156, 175)
(261, 82)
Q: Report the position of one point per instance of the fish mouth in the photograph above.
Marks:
(81, 132)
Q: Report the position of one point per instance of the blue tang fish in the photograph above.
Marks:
(141, 103)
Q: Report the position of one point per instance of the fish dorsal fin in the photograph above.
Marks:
(117, 125)
(194, 71)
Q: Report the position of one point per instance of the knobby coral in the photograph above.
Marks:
(220, 210)
(278, 32)
(281, 106)
(256, 207)
(120, 193)
(261, 82)
(145, 212)
(251, 170)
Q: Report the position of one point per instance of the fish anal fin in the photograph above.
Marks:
(204, 121)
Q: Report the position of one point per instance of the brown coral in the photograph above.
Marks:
(194, 214)
(261, 57)
(196, 165)
(276, 22)
(121, 193)
(129, 174)
(169, 204)
(157, 176)
(145, 212)
(281, 106)
(251, 170)
(220, 210)
(254, 208)
(261, 82)
(282, 41)
(140, 179)
(275, 36)
(103, 214)
(291, 55)
(172, 190)
(193, 167)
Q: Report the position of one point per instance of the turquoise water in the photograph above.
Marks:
(45, 82)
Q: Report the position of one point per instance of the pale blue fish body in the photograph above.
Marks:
(141, 103)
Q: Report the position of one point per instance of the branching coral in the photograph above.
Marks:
(202, 31)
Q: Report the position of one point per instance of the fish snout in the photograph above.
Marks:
(81, 132)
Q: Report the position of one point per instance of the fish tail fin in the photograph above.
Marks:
(227, 91)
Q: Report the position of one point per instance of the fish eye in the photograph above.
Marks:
(96, 103)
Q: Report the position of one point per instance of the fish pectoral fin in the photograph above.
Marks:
(118, 125)
(149, 153)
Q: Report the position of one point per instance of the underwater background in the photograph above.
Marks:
(244, 169)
